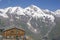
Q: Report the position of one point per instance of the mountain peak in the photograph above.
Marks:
(33, 5)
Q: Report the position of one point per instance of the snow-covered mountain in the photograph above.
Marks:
(33, 19)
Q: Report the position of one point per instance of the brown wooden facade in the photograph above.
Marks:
(13, 33)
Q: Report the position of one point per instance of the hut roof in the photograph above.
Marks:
(14, 28)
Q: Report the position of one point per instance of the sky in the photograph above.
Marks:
(43, 4)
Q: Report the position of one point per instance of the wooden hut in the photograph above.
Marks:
(14, 33)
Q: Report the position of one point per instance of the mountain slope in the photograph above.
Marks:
(36, 21)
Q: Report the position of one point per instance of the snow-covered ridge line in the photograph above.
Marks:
(30, 10)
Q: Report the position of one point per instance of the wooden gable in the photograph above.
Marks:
(14, 32)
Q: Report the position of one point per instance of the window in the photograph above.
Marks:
(7, 36)
(12, 31)
(12, 36)
(17, 32)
